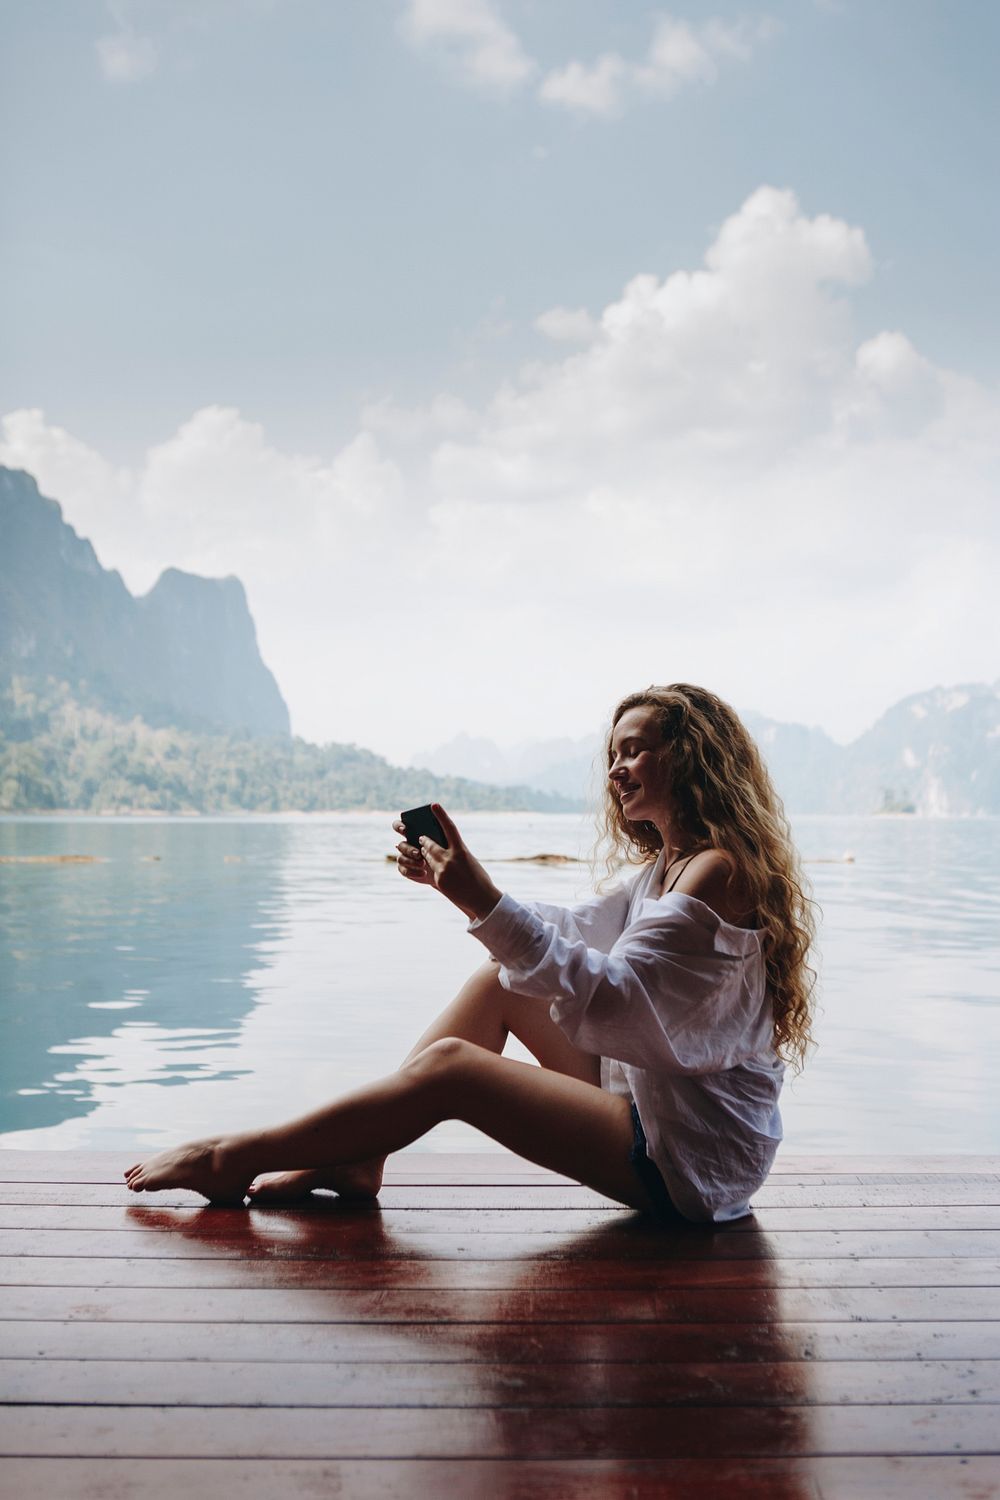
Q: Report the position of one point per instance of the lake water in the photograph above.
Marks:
(205, 974)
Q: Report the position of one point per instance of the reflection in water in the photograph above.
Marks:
(228, 973)
(551, 1357)
(266, 964)
(110, 971)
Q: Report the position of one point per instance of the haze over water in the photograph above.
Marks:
(207, 974)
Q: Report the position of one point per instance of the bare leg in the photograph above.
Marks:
(483, 1012)
(560, 1122)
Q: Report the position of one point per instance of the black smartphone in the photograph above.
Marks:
(422, 820)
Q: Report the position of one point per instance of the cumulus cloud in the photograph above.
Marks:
(680, 53)
(718, 477)
(99, 491)
(709, 366)
(596, 88)
(480, 46)
(725, 459)
(485, 53)
(214, 498)
(567, 325)
(444, 415)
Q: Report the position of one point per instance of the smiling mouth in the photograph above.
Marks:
(627, 792)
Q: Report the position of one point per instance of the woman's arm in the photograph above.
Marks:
(670, 993)
(459, 876)
(675, 993)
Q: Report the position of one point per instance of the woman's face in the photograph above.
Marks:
(636, 770)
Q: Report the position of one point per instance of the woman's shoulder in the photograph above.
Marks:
(714, 878)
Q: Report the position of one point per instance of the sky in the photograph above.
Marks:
(519, 353)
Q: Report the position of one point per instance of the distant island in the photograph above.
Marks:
(111, 703)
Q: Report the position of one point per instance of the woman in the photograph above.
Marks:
(662, 1012)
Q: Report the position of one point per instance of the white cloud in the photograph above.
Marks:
(485, 53)
(567, 325)
(217, 486)
(479, 45)
(720, 480)
(444, 415)
(125, 57)
(680, 53)
(214, 498)
(66, 468)
(595, 89)
(740, 356)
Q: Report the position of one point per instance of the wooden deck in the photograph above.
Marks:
(493, 1330)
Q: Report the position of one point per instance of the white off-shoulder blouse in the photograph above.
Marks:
(674, 1001)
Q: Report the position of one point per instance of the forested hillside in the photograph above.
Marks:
(57, 755)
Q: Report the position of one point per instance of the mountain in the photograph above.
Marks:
(935, 753)
(803, 762)
(111, 703)
(163, 702)
(564, 766)
(185, 654)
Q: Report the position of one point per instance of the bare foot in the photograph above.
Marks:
(363, 1180)
(206, 1167)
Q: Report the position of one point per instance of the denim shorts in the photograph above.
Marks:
(664, 1209)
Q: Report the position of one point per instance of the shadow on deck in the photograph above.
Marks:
(494, 1330)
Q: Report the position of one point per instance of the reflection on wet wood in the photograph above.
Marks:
(497, 1432)
(816, 1478)
(284, 1238)
(498, 1343)
(494, 1330)
(544, 1275)
(507, 1304)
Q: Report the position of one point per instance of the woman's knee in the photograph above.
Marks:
(484, 984)
(449, 1056)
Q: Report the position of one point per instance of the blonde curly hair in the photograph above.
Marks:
(723, 798)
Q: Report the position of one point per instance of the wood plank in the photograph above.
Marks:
(430, 1197)
(508, 1305)
(694, 1432)
(903, 1162)
(815, 1478)
(501, 1342)
(544, 1275)
(491, 1166)
(225, 1383)
(347, 1240)
(496, 1323)
(335, 1212)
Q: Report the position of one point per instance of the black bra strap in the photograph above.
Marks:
(680, 872)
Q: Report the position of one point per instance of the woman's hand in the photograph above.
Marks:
(454, 871)
(410, 861)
